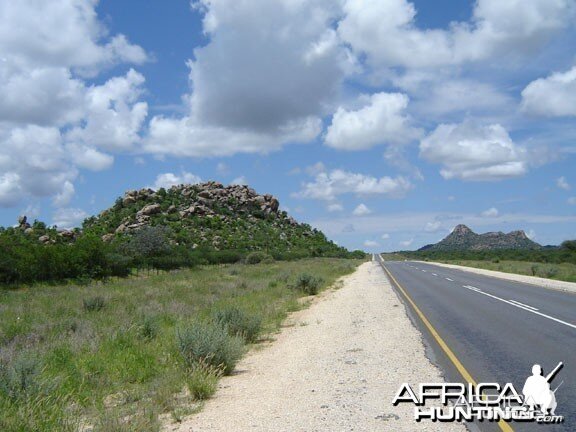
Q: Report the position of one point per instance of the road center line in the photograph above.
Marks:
(526, 308)
(448, 279)
(434, 274)
(525, 305)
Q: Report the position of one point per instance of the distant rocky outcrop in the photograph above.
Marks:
(210, 215)
(463, 238)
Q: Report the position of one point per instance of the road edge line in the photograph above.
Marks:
(457, 363)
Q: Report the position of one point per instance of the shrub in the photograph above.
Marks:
(202, 381)
(19, 379)
(93, 304)
(148, 328)
(238, 323)
(308, 284)
(257, 257)
(534, 270)
(209, 344)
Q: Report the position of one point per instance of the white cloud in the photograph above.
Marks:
(433, 227)
(263, 80)
(572, 201)
(515, 26)
(168, 180)
(490, 213)
(328, 185)
(222, 168)
(531, 234)
(361, 210)
(381, 120)
(562, 183)
(65, 195)
(68, 217)
(371, 244)
(51, 121)
(385, 236)
(472, 152)
(34, 164)
(187, 137)
(553, 96)
(406, 243)
(239, 181)
(315, 169)
(334, 207)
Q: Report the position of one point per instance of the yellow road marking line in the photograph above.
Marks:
(457, 363)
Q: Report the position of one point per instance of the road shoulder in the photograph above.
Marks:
(336, 366)
(532, 280)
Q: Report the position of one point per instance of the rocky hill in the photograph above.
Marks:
(463, 238)
(212, 216)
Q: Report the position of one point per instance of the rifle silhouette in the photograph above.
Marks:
(554, 371)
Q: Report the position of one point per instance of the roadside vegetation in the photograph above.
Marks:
(129, 353)
(549, 262)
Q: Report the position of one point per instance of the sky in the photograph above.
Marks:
(384, 123)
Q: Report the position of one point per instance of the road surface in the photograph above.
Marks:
(497, 329)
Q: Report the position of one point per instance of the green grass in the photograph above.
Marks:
(561, 271)
(108, 355)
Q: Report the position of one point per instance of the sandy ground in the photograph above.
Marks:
(336, 366)
(532, 280)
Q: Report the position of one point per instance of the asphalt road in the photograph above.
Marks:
(498, 329)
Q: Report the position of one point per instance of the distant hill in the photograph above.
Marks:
(463, 238)
(212, 216)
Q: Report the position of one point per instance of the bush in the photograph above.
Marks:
(257, 257)
(93, 304)
(202, 381)
(308, 284)
(238, 323)
(209, 344)
(19, 379)
(148, 328)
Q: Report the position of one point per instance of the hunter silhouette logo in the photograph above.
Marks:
(485, 401)
(537, 391)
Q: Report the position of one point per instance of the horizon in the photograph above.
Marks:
(467, 118)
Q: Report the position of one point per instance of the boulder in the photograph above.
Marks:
(44, 239)
(150, 209)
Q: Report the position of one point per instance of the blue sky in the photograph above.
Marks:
(384, 123)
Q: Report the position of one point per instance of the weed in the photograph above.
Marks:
(93, 304)
(238, 323)
(258, 257)
(203, 380)
(308, 284)
(208, 343)
(148, 328)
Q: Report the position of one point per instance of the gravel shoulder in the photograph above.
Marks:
(532, 280)
(335, 366)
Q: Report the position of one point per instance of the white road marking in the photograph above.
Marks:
(527, 309)
(434, 274)
(448, 279)
(473, 288)
(424, 271)
(525, 305)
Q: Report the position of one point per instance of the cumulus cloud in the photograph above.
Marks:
(334, 207)
(371, 244)
(328, 185)
(239, 181)
(490, 213)
(68, 217)
(167, 180)
(381, 120)
(554, 96)
(433, 227)
(52, 122)
(361, 210)
(385, 236)
(562, 183)
(471, 152)
(517, 26)
(406, 243)
(263, 80)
